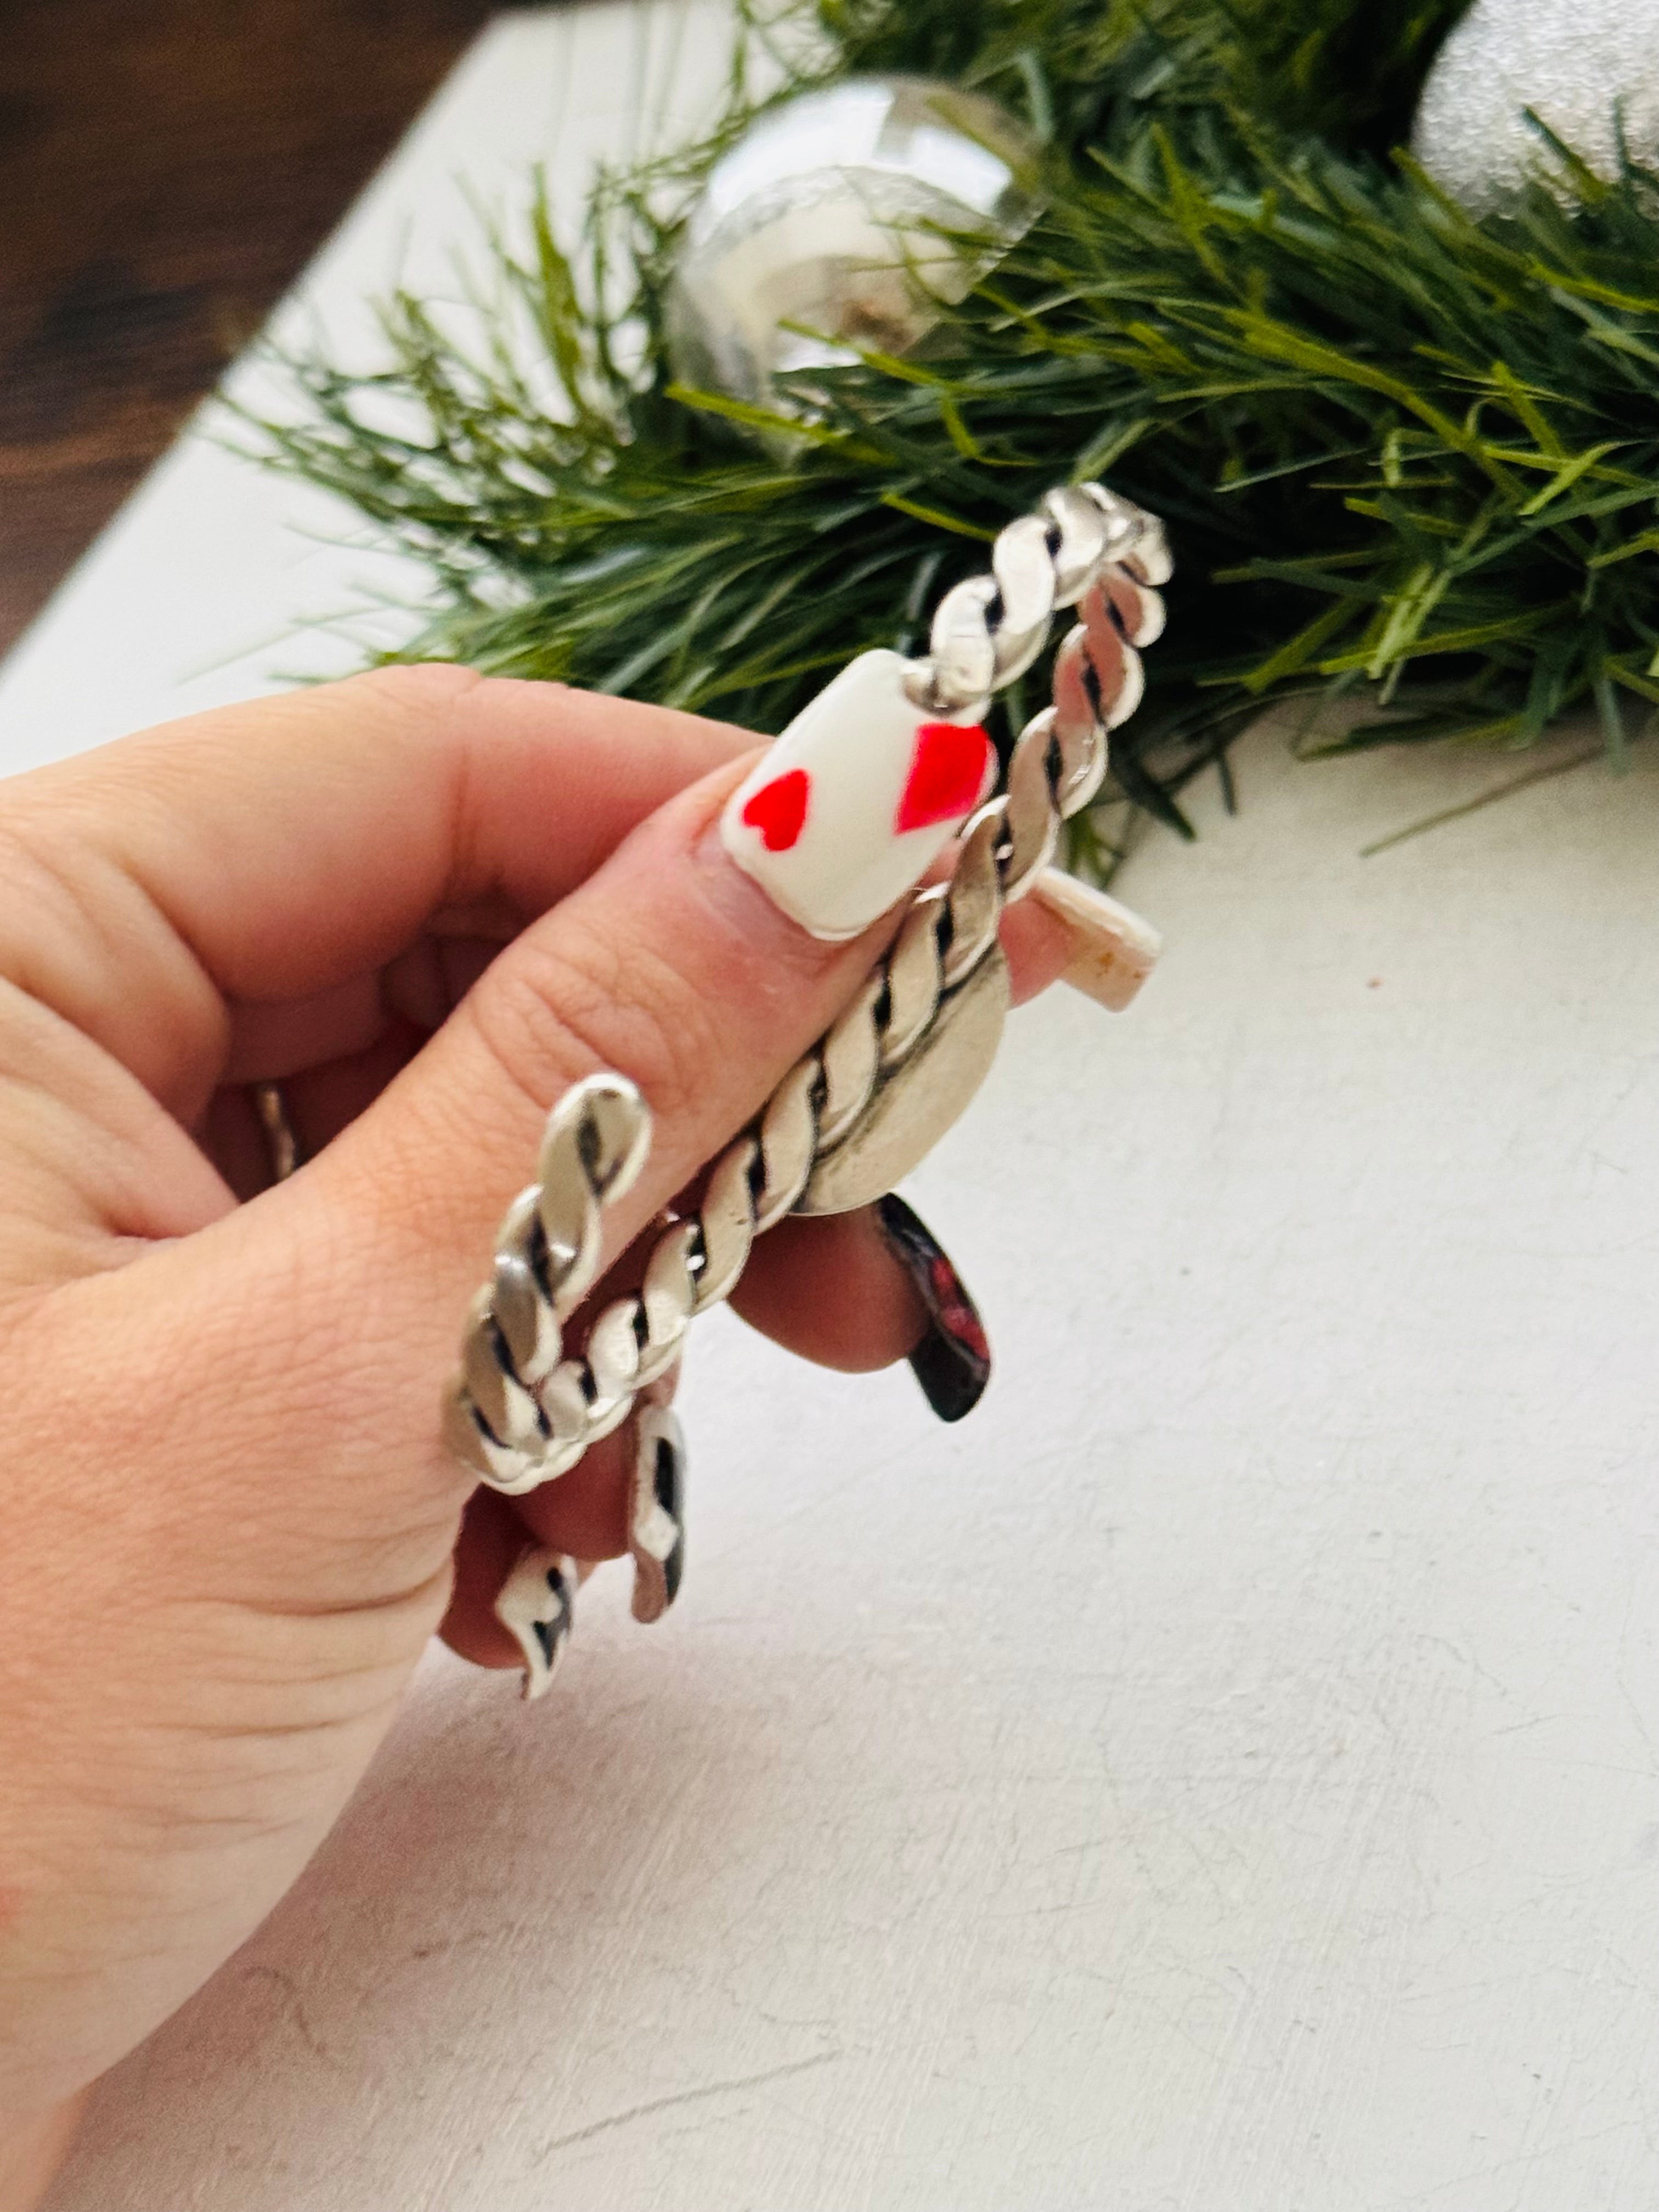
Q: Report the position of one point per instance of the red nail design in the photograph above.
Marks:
(778, 809)
(952, 1363)
(947, 774)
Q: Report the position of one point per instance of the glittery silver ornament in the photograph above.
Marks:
(1581, 65)
(829, 214)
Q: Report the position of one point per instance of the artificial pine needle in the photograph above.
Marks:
(1408, 455)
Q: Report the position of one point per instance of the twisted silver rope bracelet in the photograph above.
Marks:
(891, 1075)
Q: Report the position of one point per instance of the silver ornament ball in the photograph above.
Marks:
(829, 214)
(1578, 64)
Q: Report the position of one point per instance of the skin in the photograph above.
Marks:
(425, 902)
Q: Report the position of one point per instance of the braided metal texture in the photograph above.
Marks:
(520, 1412)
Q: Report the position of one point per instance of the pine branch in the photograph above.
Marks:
(1406, 458)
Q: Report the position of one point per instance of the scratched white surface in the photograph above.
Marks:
(1224, 1776)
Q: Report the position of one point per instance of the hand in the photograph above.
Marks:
(426, 903)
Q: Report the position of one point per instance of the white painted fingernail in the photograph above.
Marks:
(1113, 950)
(854, 802)
(536, 1603)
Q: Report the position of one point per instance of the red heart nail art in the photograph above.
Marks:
(778, 809)
(947, 774)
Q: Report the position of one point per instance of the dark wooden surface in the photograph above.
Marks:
(166, 167)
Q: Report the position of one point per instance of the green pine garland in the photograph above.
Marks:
(1404, 455)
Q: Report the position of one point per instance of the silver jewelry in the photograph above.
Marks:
(656, 1512)
(517, 1413)
(877, 1092)
(272, 1107)
(536, 1603)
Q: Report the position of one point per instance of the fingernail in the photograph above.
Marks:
(853, 804)
(952, 1363)
(1113, 950)
(656, 1520)
(536, 1604)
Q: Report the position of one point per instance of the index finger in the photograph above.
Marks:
(293, 843)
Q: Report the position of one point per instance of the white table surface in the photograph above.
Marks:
(1224, 1776)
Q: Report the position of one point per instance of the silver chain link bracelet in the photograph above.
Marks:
(881, 1087)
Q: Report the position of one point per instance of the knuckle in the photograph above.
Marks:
(574, 999)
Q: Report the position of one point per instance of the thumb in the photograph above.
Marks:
(673, 965)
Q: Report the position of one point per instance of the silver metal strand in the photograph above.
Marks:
(280, 1141)
(876, 1089)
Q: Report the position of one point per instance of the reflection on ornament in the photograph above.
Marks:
(828, 215)
(1579, 64)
